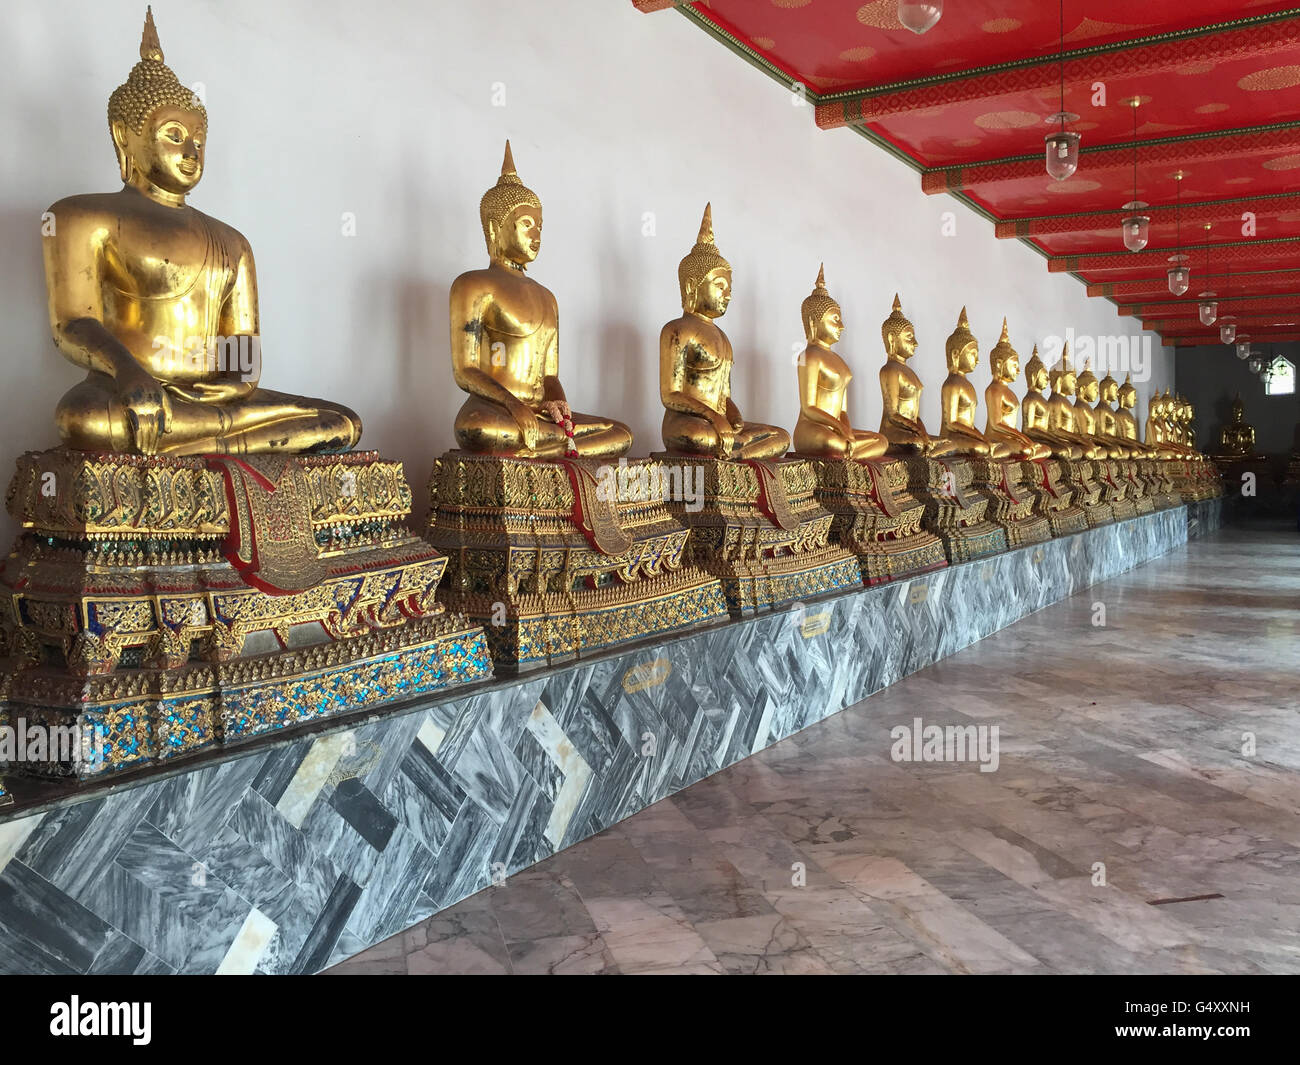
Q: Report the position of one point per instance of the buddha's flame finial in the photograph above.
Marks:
(1005, 335)
(1128, 378)
(706, 226)
(150, 46)
(509, 175)
(898, 305)
(962, 321)
(821, 277)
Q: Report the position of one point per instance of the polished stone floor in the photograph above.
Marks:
(1142, 816)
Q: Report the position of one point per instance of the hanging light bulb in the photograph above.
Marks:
(1208, 311)
(1062, 147)
(1256, 364)
(1243, 347)
(1136, 226)
(1227, 329)
(919, 15)
(1180, 274)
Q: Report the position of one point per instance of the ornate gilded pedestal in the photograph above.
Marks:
(761, 532)
(165, 605)
(1115, 490)
(1137, 490)
(1081, 476)
(561, 559)
(876, 517)
(1011, 504)
(1054, 497)
(1160, 486)
(954, 511)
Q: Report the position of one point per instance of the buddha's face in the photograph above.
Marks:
(902, 343)
(830, 328)
(1010, 367)
(1110, 391)
(968, 358)
(713, 294)
(1037, 378)
(168, 151)
(1088, 391)
(1069, 382)
(1127, 397)
(520, 238)
(1238, 411)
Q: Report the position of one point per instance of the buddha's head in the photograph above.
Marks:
(159, 126)
(822, 322)
(511, 215)
(962, 349)
(704, 275)
(1109, 390)
(1238, 410)
(1128, 394)
(1004, 360)
(1035, 372)
(1155, 405)
(898, 334)
(1085, 385)
(1063, 379)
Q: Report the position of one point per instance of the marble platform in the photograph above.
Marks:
(296, 855)
(1204, 516)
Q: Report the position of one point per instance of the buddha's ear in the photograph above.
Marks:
(118, 129)
(492, 237)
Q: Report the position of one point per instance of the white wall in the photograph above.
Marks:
(319, 107)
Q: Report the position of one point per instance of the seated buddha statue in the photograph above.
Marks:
(158, 301)
(960, 399)
(1107, 429)
(505, 344)
(823, 429)
(1237, 440)
(900, 388)
(1064, 420)
(1003, 411)
(695, 358)
(1159, 432)
(1087, 391)
(1037, 416)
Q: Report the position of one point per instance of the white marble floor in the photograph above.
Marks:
(1142, 816)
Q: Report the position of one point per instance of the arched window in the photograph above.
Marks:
(1281, 378)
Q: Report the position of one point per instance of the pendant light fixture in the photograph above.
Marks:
(1209, 308)
(1227, 323)
(1243, 346)
(1256, 364)
(1180, 274)
(919, 15)
(1136, 226)
(1063, 146)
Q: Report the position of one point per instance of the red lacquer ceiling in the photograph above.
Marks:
(1218, 85)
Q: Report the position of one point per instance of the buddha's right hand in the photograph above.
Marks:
(529, 427)
(148, 409)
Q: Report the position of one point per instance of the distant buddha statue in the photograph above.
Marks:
(823, 429)
(1002, 408)
(505, 344)
(960, 399)
(900, 389)
(1107, 427)
(1237, 439)
(1159, 433)
(1064, 417)
(158, 301)
(695, 360)
(1087, 392)
(1037, 416)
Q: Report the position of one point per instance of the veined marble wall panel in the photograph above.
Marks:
(291, 857)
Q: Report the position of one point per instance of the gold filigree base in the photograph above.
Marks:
(1081, 476)
(521, 561)
(1053, 499)
(761, 564)
(1011, 504)
(954, 510)
(876, 517)
(120, 599)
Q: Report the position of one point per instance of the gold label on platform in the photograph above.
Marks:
(646, 675)
(986, 572)
(815, 624)
(919, 593)
(1038, 556)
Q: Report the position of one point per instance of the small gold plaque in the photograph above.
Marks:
(919, 592)
(1038, 556)
(646, 675)
(815, 624)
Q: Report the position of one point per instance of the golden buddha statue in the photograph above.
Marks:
(505, 344)
(158, 301)
(823, 429)
(960, 399)
(1107, 428)
(1237, 440)
(1086, 393)
(1064, 417)
(1159, 431)
(900, 388)
(1154, 478)
(695, 357)
(1037, 416)
(1003, 411)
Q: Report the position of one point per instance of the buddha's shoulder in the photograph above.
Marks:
(690, 328)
